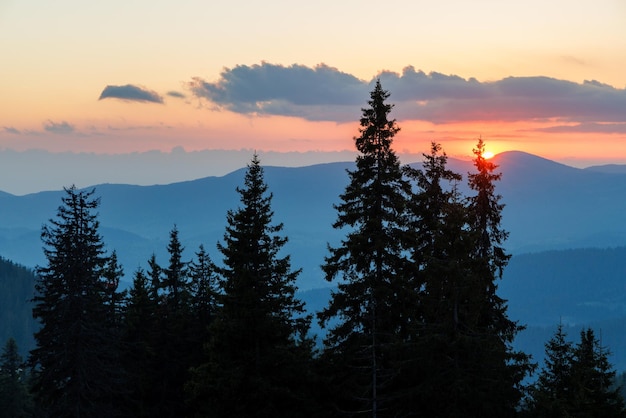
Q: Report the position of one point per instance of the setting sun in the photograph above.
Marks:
(488, 154)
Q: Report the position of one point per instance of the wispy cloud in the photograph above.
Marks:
(592, 127)
(62, 128)
(11, 130)
(325, 93)
(138, 127)
(131, 93)
(176, 94)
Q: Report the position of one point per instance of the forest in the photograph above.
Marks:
(414, 327)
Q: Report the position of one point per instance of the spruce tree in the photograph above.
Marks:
(435, 191)
(374, 302)
(204, 290)
(204, 287)
(461, 342)
(496, 369)
(112, 274)
(176, 282)
(173, 339)
(258, 353)
(15, 401)
(440, 251)
(576, 381)
(139, 338)
(75, 364)
(551, 395)
(592, 380)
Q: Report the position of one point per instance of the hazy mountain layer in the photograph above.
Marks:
(549, 206)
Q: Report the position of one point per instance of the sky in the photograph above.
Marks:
(137, 76)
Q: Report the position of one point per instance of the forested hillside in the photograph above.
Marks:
(17, 284)
(580, 287)
(573, 286)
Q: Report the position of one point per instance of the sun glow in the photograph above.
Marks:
(488, 154)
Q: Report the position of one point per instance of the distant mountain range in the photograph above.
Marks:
(567, 233)
(549, 206)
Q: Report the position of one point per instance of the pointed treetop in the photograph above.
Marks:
(376, 130)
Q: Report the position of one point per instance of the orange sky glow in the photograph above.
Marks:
(125, 77)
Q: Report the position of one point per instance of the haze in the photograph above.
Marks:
(288, 79)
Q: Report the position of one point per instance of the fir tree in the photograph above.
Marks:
(75, 364)
(495, 371)
(592, 380)
(440, 250)
(576, 381)
(461, 342)
(374, 303)
(112, 275)
(551, 395)
(140, 348)
(176, 284)
(486, 216)
(204, 289)
(258, 353)
(177, 337)
(15, 401)
(172, 337)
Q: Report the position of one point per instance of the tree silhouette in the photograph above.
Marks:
(258, 354)
(374, 302)
(75, 364)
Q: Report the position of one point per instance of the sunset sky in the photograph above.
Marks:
(128, 76)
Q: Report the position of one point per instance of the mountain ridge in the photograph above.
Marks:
(554, 213)
(549, 206)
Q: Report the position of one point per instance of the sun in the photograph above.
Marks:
(488, 154)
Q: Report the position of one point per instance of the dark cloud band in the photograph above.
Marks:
(325, 93)
(130, 92)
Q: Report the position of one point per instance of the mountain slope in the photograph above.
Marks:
(17, 285)
(549, 206)
(553, 206)
(550, 209)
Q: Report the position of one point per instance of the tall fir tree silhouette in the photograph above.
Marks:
(75, 363)
(373, 303)
(258, 356)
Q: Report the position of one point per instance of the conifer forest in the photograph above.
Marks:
(414, 328)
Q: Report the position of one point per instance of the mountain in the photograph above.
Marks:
(17, 285)
(145, 168)
(135, 220)
(549, 206)
(608, 168)
(553, 206)
(570, 286)
(567, 234)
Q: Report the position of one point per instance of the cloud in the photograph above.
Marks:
(318, 93)
(61, 128)
(592, 127)
(11, 130)
(325, 93)
(440, 98)
(130, 92)
(176, 94)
